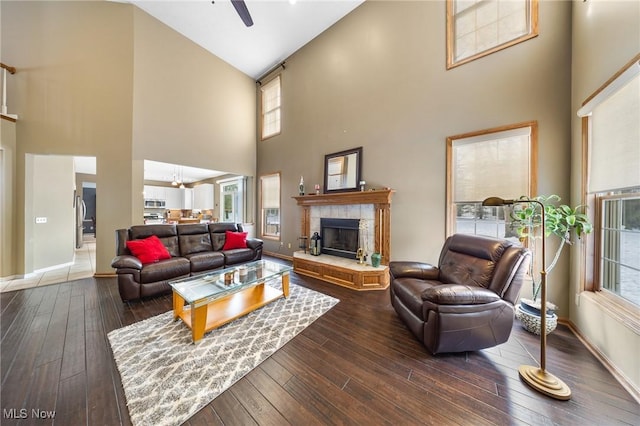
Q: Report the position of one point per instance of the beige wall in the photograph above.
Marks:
(51, 197)
(189, 107)
(7, 196)
(377, 79)
(103, 79)
(606, 35)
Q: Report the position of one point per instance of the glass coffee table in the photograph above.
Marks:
(208, 301)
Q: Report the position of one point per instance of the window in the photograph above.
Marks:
(271, 105)
(476, 28)
(270, 205)
(610, 119)
(497, 162)
(231, 200)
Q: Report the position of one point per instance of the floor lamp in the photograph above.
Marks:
(538, 377)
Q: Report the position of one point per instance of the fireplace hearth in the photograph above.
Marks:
(340, 237)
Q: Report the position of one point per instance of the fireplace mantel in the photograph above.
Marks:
(381, 201)
(379, 196)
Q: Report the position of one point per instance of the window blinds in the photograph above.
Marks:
(494, 164)
(270, 191)
(614, 148)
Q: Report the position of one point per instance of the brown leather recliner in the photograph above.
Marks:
(466, 303)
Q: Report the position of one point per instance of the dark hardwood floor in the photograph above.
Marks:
(357, 365)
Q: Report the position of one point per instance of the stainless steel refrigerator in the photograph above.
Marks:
(81, 212)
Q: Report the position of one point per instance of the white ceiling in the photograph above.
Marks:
(280, 28)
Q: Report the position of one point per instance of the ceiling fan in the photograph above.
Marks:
(242, 10)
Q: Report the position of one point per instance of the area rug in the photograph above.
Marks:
(167, 379)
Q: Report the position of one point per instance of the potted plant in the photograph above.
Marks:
(562, 221)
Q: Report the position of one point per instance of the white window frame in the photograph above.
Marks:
(271, 112)
(474, 20)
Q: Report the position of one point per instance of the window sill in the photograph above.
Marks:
(619, 309)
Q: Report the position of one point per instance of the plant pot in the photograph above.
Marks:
(375, 259)
(533, 322)
(534, 306)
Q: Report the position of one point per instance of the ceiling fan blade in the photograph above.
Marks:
(242, 10)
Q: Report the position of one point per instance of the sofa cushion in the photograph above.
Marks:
(205, 260)
(235, 240)
(148, 250)
(194, 238)
(163, 270)
(235, 256)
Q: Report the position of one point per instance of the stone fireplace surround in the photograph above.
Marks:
(373, 209)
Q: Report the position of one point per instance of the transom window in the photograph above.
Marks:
(612, 130)
(271, 101)
(476, 28)
(496, 162)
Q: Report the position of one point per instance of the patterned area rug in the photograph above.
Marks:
(167, 379)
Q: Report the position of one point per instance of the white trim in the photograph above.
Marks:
(620, 81)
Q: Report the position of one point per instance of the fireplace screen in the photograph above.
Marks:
(339, 237)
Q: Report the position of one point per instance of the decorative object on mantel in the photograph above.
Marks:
(301, 187)
(315, 248)
(317, 189)
(362, 184)
(342, 170)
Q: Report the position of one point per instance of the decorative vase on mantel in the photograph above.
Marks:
(528, 312)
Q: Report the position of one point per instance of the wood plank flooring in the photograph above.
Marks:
(355, 365)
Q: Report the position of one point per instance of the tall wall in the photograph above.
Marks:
(51, 197)
(377, 79)
(606, 35)
(104, 79)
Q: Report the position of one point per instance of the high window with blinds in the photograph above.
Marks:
(271, 104)
(270, 205)
(476, 28)
(490, 163)
(612, 125)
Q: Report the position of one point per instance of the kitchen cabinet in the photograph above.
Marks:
(154, 192)
(173, 198)
(203, 197)
(187, 198)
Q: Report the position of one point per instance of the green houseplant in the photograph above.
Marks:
(562, 221)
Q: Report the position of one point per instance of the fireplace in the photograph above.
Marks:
(339, 237)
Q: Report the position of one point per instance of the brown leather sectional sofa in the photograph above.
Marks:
(194, 249)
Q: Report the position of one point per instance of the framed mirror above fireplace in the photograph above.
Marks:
(342, 170)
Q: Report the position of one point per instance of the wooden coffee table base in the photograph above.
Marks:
(219, 312)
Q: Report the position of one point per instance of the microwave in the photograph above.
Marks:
(154, 204)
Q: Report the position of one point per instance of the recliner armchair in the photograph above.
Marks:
(466, 303)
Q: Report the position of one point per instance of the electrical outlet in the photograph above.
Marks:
(289, 245)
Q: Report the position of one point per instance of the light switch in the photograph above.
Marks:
(41, 220)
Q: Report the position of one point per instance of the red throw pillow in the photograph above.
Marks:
(148, 250)
(235, 240)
